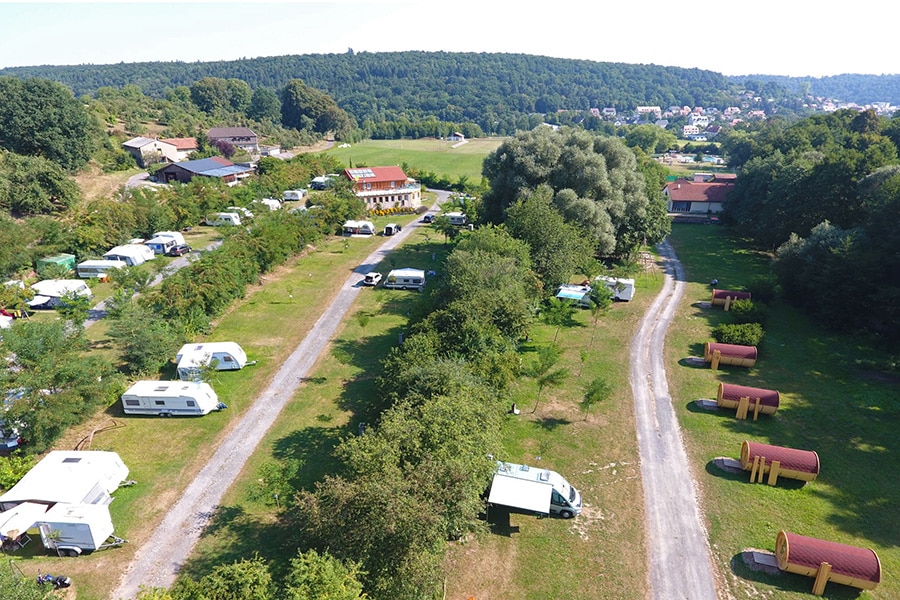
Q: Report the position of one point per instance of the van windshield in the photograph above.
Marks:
(571, 494)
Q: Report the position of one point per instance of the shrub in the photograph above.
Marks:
(748, 311)
(764, 289)
(742, 334)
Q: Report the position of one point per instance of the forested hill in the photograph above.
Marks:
(480, 87)
(861, 89)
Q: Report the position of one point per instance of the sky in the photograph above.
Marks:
(771, 37)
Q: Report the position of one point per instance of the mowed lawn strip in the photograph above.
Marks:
(832, 402)
(164, 455)
(432, 155)
(602, 552)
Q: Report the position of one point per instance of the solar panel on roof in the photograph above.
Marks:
(361, 173)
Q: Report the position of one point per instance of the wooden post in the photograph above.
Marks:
(762, 469)
(773, 472)
(822, 576)
(727, 303)
(743, 407)
(754, 469)
(716, 355)
(756, 409)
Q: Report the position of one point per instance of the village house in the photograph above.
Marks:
(216, 166)
(385, 187)
(183, 147)
(147, 151)
(706, 193)
(239, 137)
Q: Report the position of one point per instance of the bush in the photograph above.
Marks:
(764, 289)
(743, 334)
(748, 311)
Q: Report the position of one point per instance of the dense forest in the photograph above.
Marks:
(861, 89)
(495, 91)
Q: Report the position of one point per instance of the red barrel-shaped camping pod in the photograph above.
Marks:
(730, 396)
(827, 561)
(720, 297)
(729, 354)
(778, 461)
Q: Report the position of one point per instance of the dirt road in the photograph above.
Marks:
(156, 563)
(680, 566)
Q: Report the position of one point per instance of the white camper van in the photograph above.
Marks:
(391, 229)
(223, 218)
(228, 356)
(622, 289)
(457, 218)
(535, 490)
(167, 398)
(405, 279)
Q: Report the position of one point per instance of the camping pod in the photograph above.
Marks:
(778, 461)
(747, 399)
(827, 561)
(721, 297)
(729, 354)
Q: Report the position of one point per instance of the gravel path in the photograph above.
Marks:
(679, 555)
(157, 562)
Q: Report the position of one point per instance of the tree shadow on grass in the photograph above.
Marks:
(313, 450)
(551, 423)
(789, 582)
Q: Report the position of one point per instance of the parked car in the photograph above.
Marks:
(372, 279)
(429, 218)
(179, 250)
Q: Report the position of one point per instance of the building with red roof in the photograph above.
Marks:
(384, 187)
(705, 194)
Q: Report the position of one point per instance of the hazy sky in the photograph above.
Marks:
(777, 37)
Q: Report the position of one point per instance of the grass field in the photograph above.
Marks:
(831, 402)
(428, 154)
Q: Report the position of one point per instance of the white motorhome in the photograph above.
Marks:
(580, 295)
(168, 398)
(270, 203)
(405, 279)
(98, 268)
(245, 213)
(622, 289)
(457, 218)
(70, 529)
(293, 195)
(531, 489)
(227, 356)
(223, 218)
(131, 254)
(392, 228)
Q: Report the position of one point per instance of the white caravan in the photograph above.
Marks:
(161, 245)
(223, 218)
(168, 398)
(579, 294)
(70, 529)
(175, 235)
(131, 254)
(405, 279)
(228, 356)
(534, 490)
(49, 292)
(622, 289)
(293, 195)
(457, 218)
(270, 203)
(98, 268)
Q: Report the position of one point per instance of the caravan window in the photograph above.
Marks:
(159, 402)
(191, 403)
(227, 359)
(132, 402)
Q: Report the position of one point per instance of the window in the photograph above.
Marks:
(227, 359)
(132, 402)
(191, 403)
(159, 402)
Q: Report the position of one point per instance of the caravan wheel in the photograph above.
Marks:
(165, 414)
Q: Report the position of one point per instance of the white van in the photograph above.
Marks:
(457, 218)
(391, 229)
(405, 279)
(168, 398)
(223, 218)
(533, 489)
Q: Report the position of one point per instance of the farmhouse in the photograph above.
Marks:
(385, 187)
(216, 166)
(698, 196)
(239, 137)
(148, 151)
(183, 147)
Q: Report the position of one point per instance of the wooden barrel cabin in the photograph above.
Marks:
(778, 461)
(827, 561)
(729, 354)
(746, 400)
(726, 297)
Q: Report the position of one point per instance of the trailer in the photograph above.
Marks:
(175, 235)
(540, 491)
(405, 279)
(622, 289)
(457, 218)
(580, 295)
(169, 398)
(49, 293)
(98, 269)
(73, 529)
(192, 358)
(131, 254)
(161, 245)
(294, 195)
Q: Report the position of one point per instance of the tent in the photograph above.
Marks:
(49, 292)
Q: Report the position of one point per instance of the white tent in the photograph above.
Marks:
(191, 358)
(47, 293)
(175, 235)
(131, 254)
(19, 519)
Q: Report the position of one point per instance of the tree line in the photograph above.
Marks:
(823, 195)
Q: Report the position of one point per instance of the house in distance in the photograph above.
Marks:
(385, 187)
